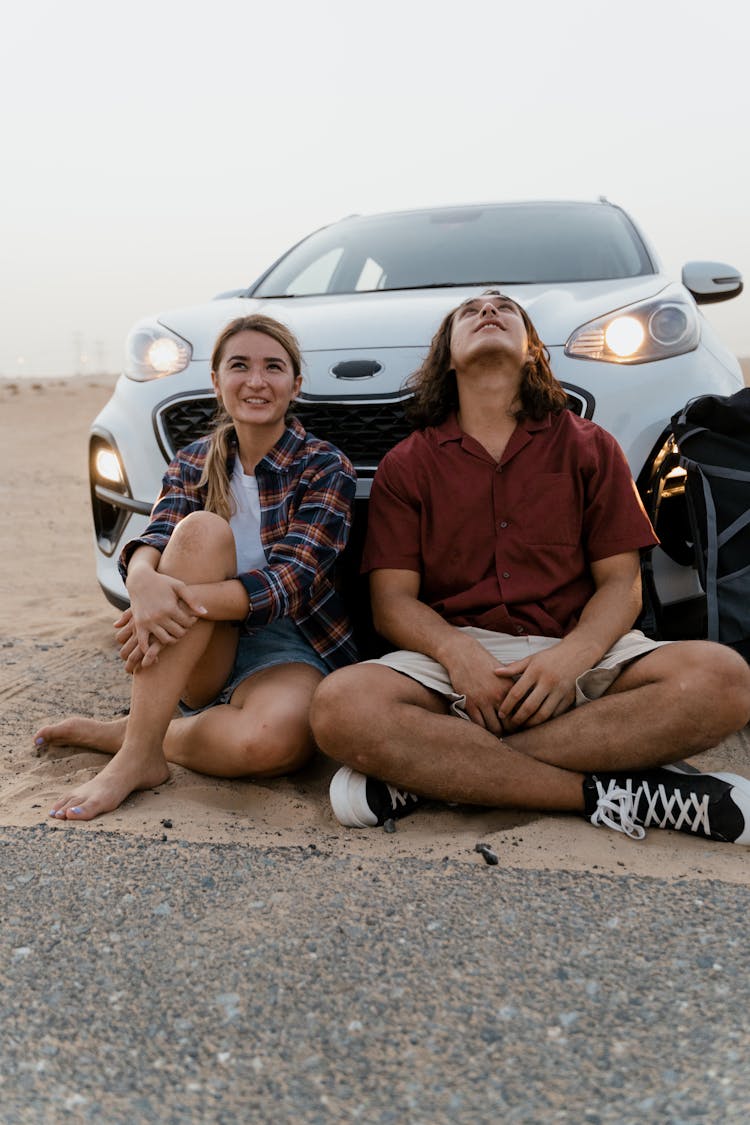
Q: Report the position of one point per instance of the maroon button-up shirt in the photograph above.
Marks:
(506, 545)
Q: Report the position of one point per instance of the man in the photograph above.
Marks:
(503, 552)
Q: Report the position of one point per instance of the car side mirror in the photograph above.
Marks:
(711, 281)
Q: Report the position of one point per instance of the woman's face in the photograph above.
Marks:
(255, 380)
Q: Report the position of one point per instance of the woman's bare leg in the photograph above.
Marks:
(201, 550)
(106, 735)
(262, 732)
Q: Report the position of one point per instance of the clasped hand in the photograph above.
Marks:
(524, 693)
(161, 611)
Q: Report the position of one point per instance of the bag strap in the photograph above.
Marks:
(688, 433)
(712, 559)
(729, 532)
(716, 470)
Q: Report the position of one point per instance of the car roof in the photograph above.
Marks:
(448, 208)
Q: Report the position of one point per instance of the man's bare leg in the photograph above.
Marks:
(400, 732)
(671, 703)
(675, 701)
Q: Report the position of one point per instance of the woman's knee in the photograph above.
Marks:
(275, 750)
(202, 542)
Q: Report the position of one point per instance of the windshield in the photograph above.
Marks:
(517, 244)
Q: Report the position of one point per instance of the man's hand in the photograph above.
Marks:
(473, 673)
(539, 687)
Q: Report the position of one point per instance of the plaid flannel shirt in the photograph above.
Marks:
(306, 488)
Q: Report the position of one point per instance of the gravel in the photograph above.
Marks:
(155, 980)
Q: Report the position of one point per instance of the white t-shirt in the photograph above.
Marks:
(245, 522)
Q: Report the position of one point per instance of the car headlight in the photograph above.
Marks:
(153, 352)
(665, 326)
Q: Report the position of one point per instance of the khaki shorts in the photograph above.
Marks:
(589, 685)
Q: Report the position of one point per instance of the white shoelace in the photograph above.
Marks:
(400, 796)
(619, 808)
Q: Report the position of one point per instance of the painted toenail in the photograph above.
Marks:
(39, 741)
(53, 812)
(77, 809)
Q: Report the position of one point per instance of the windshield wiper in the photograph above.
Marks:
(442, 285)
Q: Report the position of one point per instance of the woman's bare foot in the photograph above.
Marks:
(105, 792)
(80, 731)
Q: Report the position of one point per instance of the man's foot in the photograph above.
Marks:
(105, 792)
(715, 805)
(79, 731)
(364, 802)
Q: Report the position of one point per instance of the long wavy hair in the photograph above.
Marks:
(436, 391)
(215, 476)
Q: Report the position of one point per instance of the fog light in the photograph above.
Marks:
(107, 465)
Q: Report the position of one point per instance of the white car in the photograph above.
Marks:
(365, 296)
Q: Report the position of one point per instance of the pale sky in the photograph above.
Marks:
(156, 153)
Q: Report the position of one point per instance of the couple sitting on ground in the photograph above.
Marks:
(503, 552)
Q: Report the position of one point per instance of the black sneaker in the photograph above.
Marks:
(364, 802)
(715, 805)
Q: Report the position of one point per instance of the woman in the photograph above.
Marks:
(233, 611)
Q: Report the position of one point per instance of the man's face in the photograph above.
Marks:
(487, 328)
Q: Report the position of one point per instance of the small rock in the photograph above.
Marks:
(487, 854)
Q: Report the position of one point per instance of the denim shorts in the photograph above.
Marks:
(281, 642)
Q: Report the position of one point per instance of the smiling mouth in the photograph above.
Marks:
(490, 324)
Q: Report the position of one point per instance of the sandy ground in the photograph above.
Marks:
(57, 656)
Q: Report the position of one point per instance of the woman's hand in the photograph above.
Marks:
(162, 609)
(130, 653)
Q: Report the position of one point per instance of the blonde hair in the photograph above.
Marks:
(215, 476)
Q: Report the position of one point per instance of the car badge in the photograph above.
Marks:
(356, 369)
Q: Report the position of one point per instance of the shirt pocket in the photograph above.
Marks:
(551, 511)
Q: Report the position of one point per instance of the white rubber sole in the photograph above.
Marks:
(348, 795)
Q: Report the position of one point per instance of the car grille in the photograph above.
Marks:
(364, 430)
(184, 420)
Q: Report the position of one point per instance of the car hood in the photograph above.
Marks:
(406, 318)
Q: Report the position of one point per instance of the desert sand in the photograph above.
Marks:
(58, 656)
